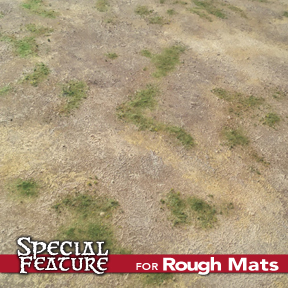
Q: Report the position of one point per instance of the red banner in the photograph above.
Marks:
(202, 264)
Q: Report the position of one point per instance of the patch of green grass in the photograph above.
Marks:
(279, 95)
(25, 188)
(5, 89)
(1, 14)
(180, 2)
(259, 159)
(143, 10)
(185, 209)
(146, 53)
(200, 13)
(38, 30)
(24, 47)
(112, 56)
(134, 110)
(177, 206)
(157, 278)
(285, 14)
(185, 138)
(157, 20)
(90, 220)
(271, 119)
(236, 9)
(261, 1)
(171, 12)
(239, 103)
(37, 7)
(205, 213)
(235, 137)
(102, 5)
(166, 61)
(74, 92)
(210, 8)
(41, 71)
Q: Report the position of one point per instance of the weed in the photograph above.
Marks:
(1, 15)
(171, 12)
(5, 89)
(102, 5)
(285, 14)
(36, 7)
(157, 278)
(183, 209)
(167, 60)
(162, 1)
(143, 11)
(74, 92)
(271, 119)
(235, 137)
(90, 220)
(200, 13)
(210, 8)
(112, 55)
(41, 71)
(25, 188)
(38, 30)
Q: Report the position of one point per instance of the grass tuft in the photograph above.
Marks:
(38, 30)
(236, 9)
(235, 137)
(102, 5)
(185, 138)
(134, 110)
(166, 61)
(112, 56)
(143, 10)
(74, 92)
(171, 12)
(157, 278)
(271, 119)
(41, 71)
(37, 7)
(146, 53)
(285, 14)
(5, 89)
(200, 13)
(24, 47)
(184, 209)
(239, 103)
(90, 220)
(25, 188)
(210, 8)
